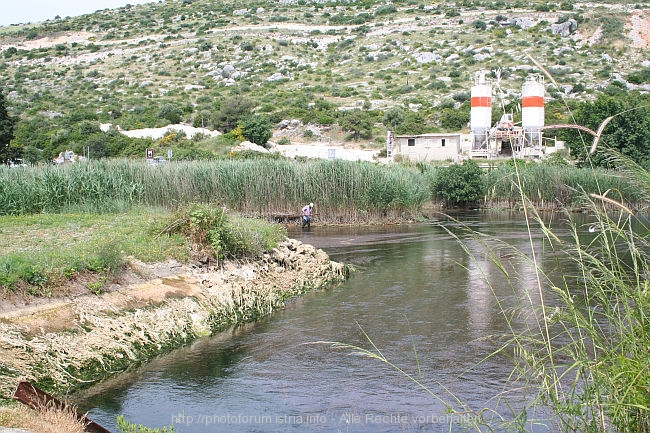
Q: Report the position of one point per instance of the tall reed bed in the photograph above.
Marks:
(342, 190)
(551, 186)
(102, 186)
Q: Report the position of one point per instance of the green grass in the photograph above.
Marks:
(40, 252)
(43, 250)
(343, 191)
(556, 186)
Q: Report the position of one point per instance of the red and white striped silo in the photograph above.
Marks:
(532, 107)
(481, 111)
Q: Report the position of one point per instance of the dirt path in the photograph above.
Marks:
(639, 26)
(140, 286)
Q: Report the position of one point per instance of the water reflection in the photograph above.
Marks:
(415, 286)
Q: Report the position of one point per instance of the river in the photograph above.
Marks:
(418, 297)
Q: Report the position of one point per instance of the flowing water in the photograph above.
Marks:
(418, 297)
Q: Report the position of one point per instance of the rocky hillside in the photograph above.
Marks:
(309, 59)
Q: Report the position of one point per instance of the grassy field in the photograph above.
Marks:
(41, 252)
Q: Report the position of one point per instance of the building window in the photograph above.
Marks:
(411, 142)
(443, 142)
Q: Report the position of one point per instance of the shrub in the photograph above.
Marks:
(213, 231)
(9, 52)
(231, 111)
(205, 46)
(480, 25)
(171, 112)
(247, 46)
(639, 77)
(386, 10)
(459, 184)
(257, 129)
(125, 426)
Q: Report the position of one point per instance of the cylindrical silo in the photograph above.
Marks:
(481, 111)
(532, 107)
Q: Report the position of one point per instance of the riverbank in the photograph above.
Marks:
(70, 342)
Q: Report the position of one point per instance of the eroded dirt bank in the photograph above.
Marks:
(62, 344)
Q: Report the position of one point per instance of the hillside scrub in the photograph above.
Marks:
(147, 65)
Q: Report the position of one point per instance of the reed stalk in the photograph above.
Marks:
(343, 191)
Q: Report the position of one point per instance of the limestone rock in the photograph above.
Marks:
(565, 29)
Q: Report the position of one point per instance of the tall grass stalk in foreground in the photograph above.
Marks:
(589, 358)
(587, 361)
(594, 370)
(583, 361)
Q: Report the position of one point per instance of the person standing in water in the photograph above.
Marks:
(306, 215)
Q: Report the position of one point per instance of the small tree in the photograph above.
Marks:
(171, 112)
(88, 127)
(96, 146)
(454, 119)
(231, 111)
(256, 129)
(7, 125)
(31, 155)
(393, 118)
(460, 184)
(356, 122)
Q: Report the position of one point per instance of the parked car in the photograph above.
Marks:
(157, 160)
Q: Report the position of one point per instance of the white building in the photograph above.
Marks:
(430, 147)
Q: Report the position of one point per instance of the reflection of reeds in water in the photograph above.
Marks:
(588, 359)
(582, 360)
